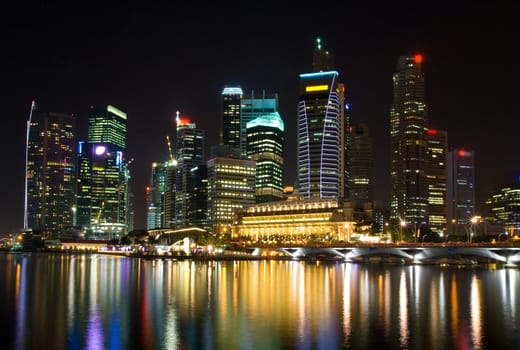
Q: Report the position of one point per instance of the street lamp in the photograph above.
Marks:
(474, 221)
(402, 223)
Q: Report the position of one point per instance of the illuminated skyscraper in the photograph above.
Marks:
(437, 179)
(253, 106)
(189, 153)
(361, 163)
(321, 131)
(408, 145)
(504, 208)
(265, 139)
(230, 117)
(320, 142)
(461, 190)
(103, 181)
(155, 196)
(231, 186)
(51, 172)
(169, 219)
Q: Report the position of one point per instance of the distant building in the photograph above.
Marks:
(155, 194)
(361, 158)
(231, 186)
(254, 106)
(461, 190)
(504, 208)
(408, 145)
(51, 172)
(321, 131)
(189, 153)
(437, 175)
(230, 117)
(169, 216)
(265, 140)
(103, 175)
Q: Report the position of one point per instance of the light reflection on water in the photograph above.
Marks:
(103, 302)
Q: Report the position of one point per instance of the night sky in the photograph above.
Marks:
(151, 61)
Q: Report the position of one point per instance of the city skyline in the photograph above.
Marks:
(149, 68)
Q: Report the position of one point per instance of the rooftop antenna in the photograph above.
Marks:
(26, 227)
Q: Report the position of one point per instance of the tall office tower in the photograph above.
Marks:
(51, 167)
(437, 175)
(408, 145)
(155, 196)
(361, 163)
(169, 218)
(230, 117)
(197, 187)
(320, 137)
(321, 130)
(504, 208)
(253, 106)
(231, 186)
(189, 153)
(265, 139)
(347, 140)
(103, 188)
(461, 190)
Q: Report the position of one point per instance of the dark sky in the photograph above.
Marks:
(151, 61)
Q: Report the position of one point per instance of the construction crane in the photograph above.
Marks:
(99, 212)
(169, 147)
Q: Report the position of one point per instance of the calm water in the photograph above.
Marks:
(103, 302)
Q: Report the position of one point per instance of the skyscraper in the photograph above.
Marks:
(321, 130)
(461, 190)
(231, 186)
(265, 139)
(51, 172)
(155, 196)
(189, 153)
(361, 163)
(408, 145)
(437, 175)
(103, 187)
(230, 117)
(320, 155)
(253, 106)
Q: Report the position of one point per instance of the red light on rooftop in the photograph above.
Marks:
(431, 132)
(418, 58)
(184, 121)
(147, 188)
(462, 153)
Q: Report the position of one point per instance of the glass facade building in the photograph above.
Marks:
(189, 153)
(103, 180)
(461, 190)
(437, 176)
(408, 145)
(230, 117)
(51, 173)
(265, 140)
(253, 106)
(320, 136)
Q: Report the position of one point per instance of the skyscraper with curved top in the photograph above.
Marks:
(320, 135)
(409, 145)
(322, 130)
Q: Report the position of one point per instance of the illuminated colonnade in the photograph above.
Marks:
(295, 220)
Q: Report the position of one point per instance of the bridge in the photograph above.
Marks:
(430, 253)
